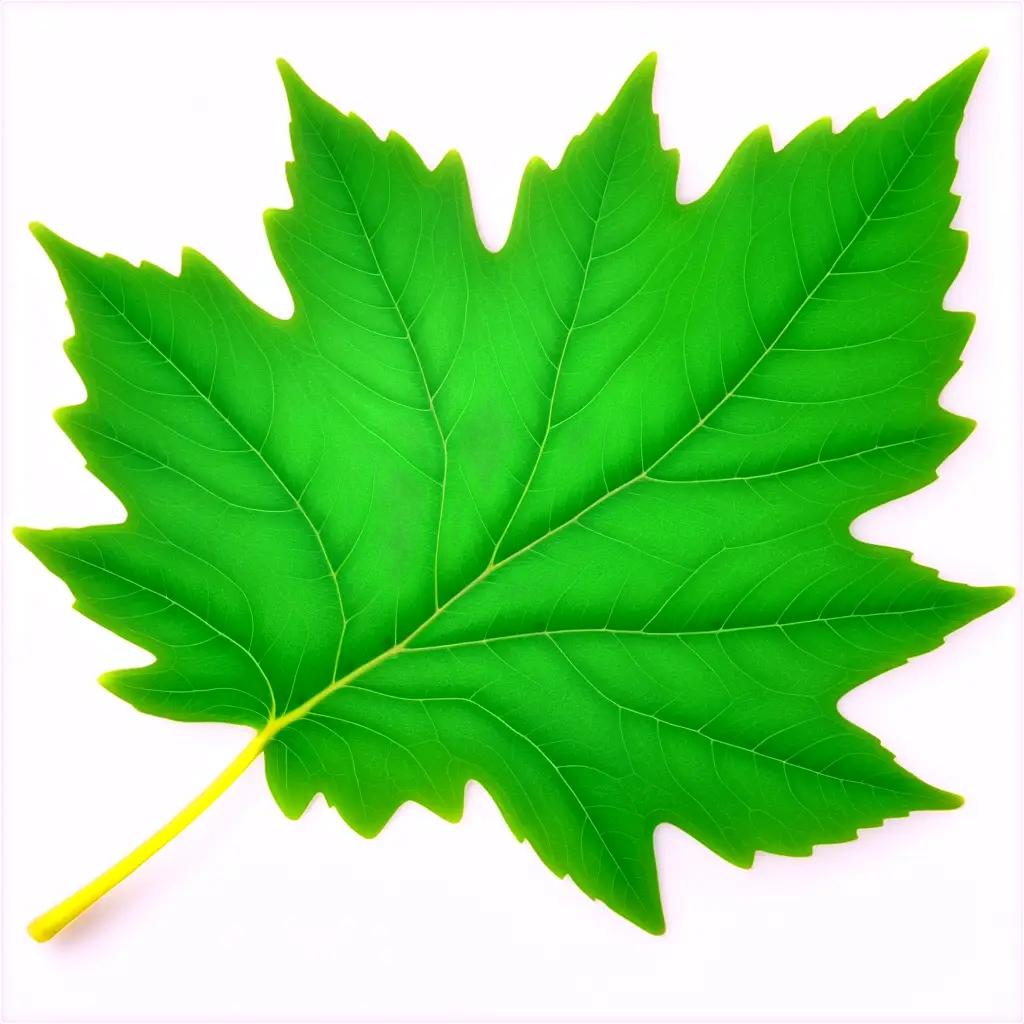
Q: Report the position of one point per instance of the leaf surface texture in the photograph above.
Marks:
(571, 519)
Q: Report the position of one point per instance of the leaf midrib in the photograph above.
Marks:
(711, 631)
(570, 329)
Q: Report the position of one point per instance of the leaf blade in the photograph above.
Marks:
(571, 519)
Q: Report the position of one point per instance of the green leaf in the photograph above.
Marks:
(570, 519)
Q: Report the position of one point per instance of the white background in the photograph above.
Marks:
(139, 128)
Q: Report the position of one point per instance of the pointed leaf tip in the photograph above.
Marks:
(42, 234)
(649, 64)
(52, 244)
(967, 71)
(978, 57)
(294, 86)
(284, 69)
(959, 83)
(642, 76)
(639, 85)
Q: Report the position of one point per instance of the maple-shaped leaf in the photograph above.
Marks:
(571, 519)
